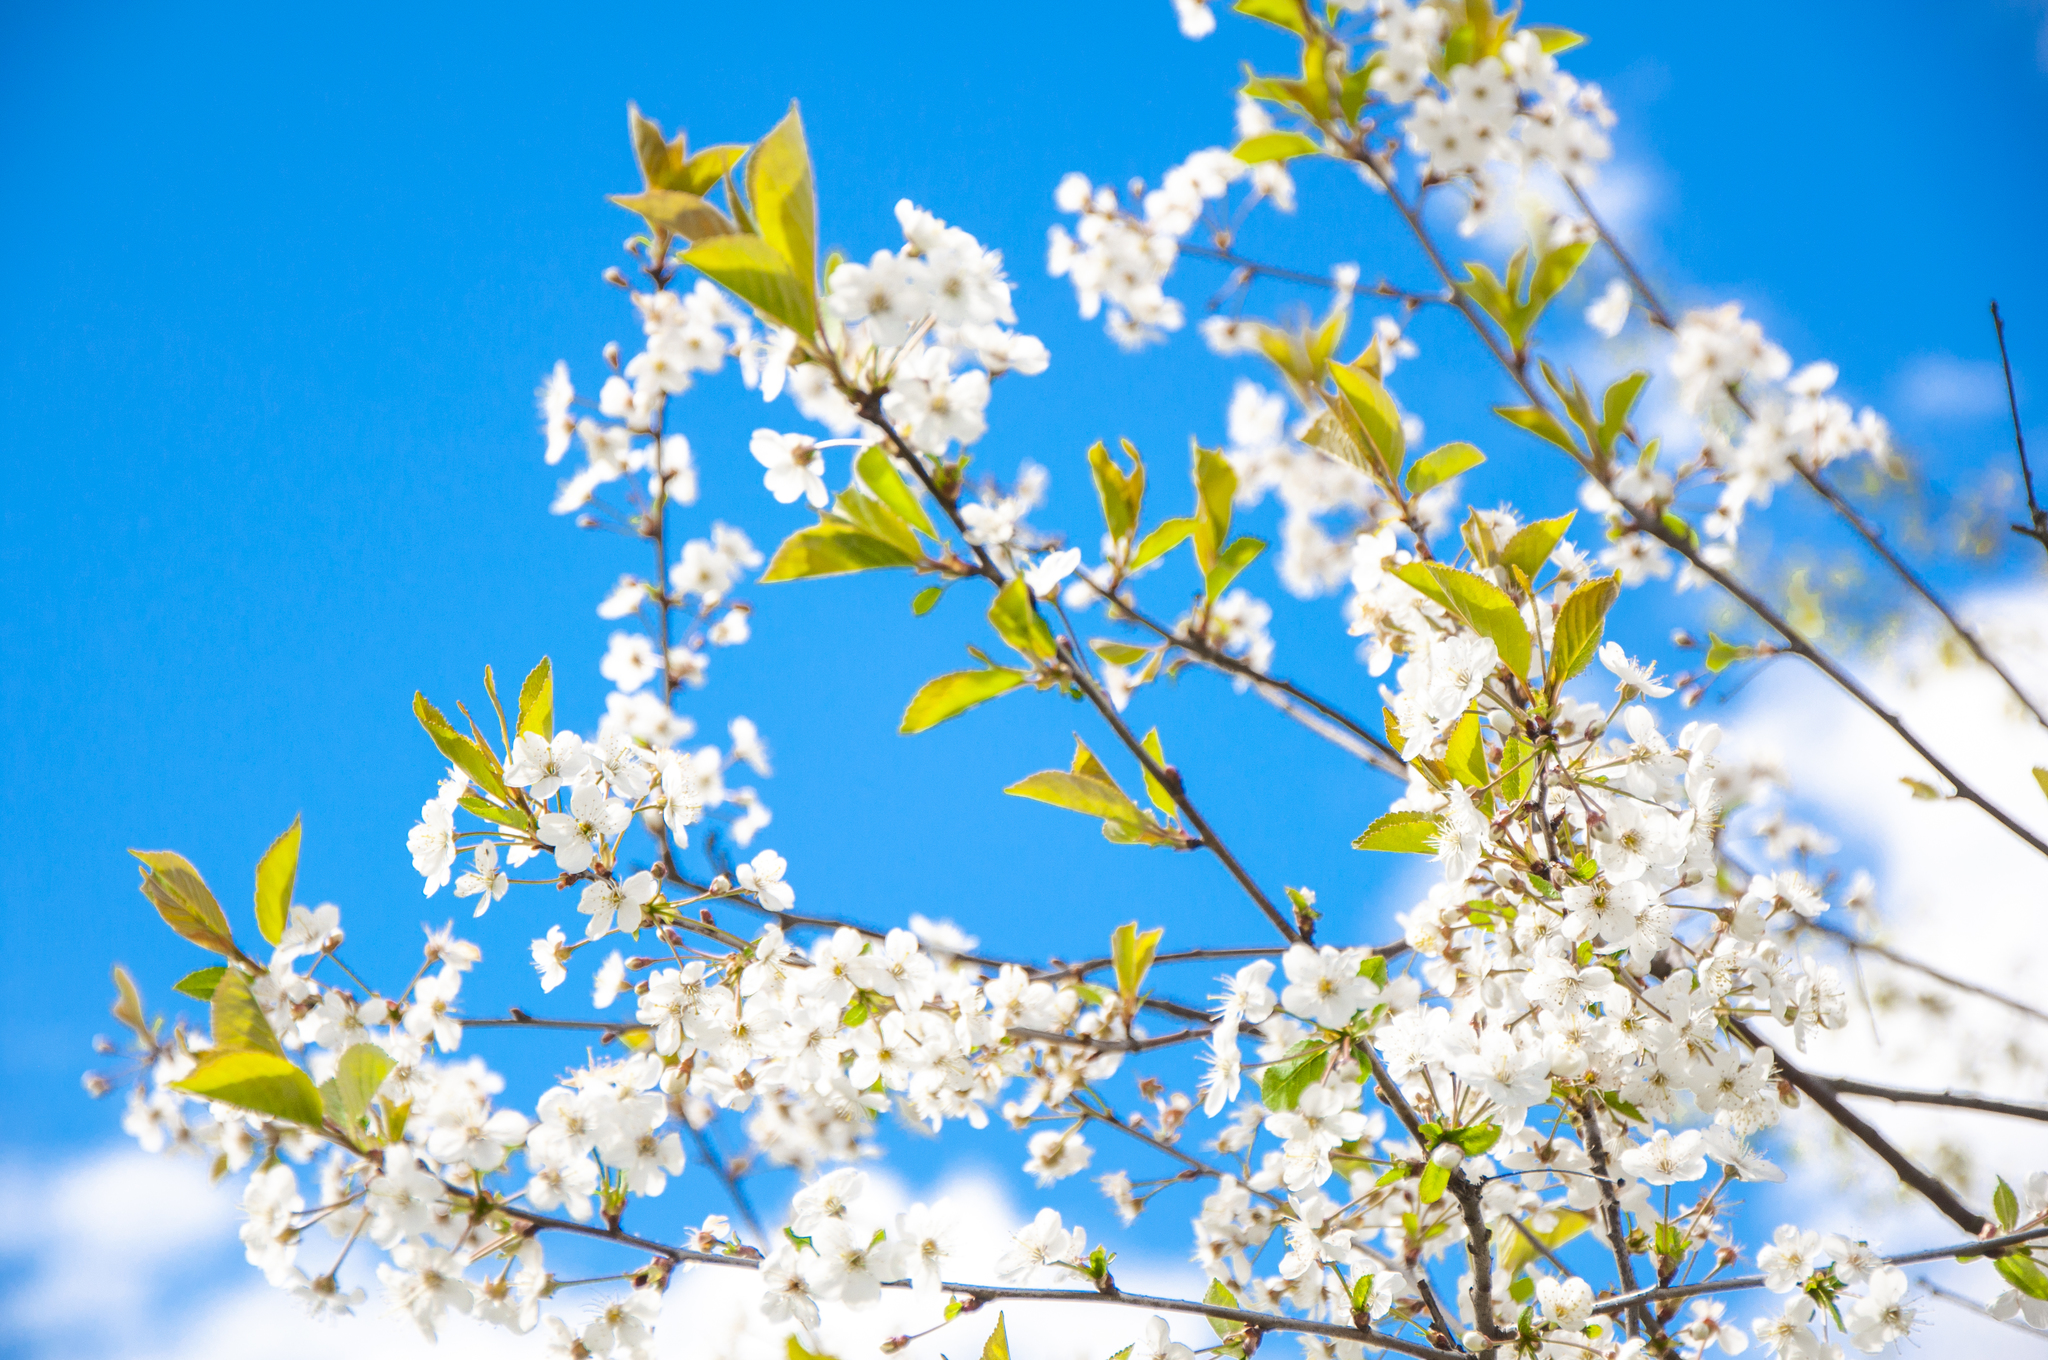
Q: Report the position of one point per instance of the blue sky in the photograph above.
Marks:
(277, 285)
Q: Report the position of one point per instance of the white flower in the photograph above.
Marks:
(1666, 1159)
(603, 900)
(1157, 1344)
(1635, 677)
(1881, 1316)
(485, 879)
(629, 662)
(1610, 313)
(541, 766)
(1052, 569)
(550, 953)
(795, 467)
(1056, 1155)
(763, 878)
(1196, 20)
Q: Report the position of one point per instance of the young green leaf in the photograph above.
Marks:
(1378, 417)
(1154, 790)
(753, 270)
(1118, 653)
(784, 199)
(1163, 539)
(1132, 953)
(2041, 778)
(1465, 753)
(1487, 608)
(1119, 492)
(1077, 793)
(1018, 624)
(1721, 655)
(1533, 543)
(1580, 623)
(1284, 1082)
(922, 603)
(128, 1004)
(1616, 406)
(473, 760)
(1215, 489)
(238, 1021)
(1274, 146)
(879, 475)
(1409, 833)
(833, 547)
(1517, 769)
(2005, 1205)
(2024, 1274)
(1221, 1295)
(265, 1082)
(181, 897)
(357, 1076)
(491, 812)
(1435, 1179)
(1540, 423)
(949, 696)
(677, 212)
(1439, 465)
(1229, 563)
(201, 982)
(537, 702)
(998, 1344)
(276, 874)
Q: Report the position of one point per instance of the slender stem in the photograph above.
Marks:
(984, 1293)
(1955, 1100)
(708, 1150)
(2035, 514)
(1040, 1036)
(1617, 1226)
(1963, 1301)
(1893, 956)
(1822, 1093)
(1995, 1246)
(1169, 779)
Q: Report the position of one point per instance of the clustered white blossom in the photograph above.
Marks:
(1563, 1043)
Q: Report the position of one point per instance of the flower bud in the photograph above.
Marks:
(1447, 1156)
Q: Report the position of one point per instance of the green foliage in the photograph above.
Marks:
(998, 1345)
(1376, 421)
(2005, 1206)
(1281, 1087)
(1518, 302)
(1465, 753)
(357, 1076)
(1477, 601)
(1132, 953)
(1018, 623)
(127, 1006)
(834, 546)
(1165, 537)
(1122, 493)
(1408, 833)
(752, 269)
(537, 701)
(254, 1080)
(949, 696)
(783, 199)
(1533, 543)
(1229, 563)
(2024, 1274)
(1439, 465)
(879, 475)
(200, 983)
(472, 759)
(276, 874)
(1274, 146)
(1580, 624)
(1215, 489)
(1540, 423)
(182, 898)
(1088, 788)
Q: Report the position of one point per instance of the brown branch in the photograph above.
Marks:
(1610, 1206)
(1822, 1093)
(2038, 516)
(1955, 1100)
(1893, 956)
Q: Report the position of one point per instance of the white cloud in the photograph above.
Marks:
(1942, 385)
(1956, 891)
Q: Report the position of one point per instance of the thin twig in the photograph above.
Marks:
(2038, 516)
(1955, 1100)
(1893, 956)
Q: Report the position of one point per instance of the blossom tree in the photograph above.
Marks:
(1521, 1128)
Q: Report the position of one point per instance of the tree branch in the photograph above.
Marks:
(2035, 514)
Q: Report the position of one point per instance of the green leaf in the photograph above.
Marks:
(1540, 423)
(1435, 1179)
(1163, 539)
(537, 702)
(1533, 543)
(949, 696)
(1474, 1140)
(1283, 1083)
(1554, 39)
(833, 547)
(1333, 437)
(182, 898)
(879, 475)
(200, 983)
(1230, 562)
(755, 271)
(1154, 790)
(276, 873)
(1721, 655)
(677, 212)
(1408, 833)
(1617, 405)
(357, 1076)
(1378, 417)
(1274, 146)
(1215, 488)
(1119, 492)
(922, 602)
(264, 1082)
(1516, 769)
(2006, 1205)
(127, 1006)
(1440, 465)
(1220, 1295)
(1579, 625)
(1119, 653)
(1077, 793)
(1132, 954)
(239, 1024)
(1516, 1252)
(869, 515)
(1487, 608)
(491, 812)
(473, 760)
(784, 200)
(1018, 624)
(2024, 1274)
(1553, 272)
(1465, 754)
(1279, 13)
(2041, 778)
(998, 1345)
